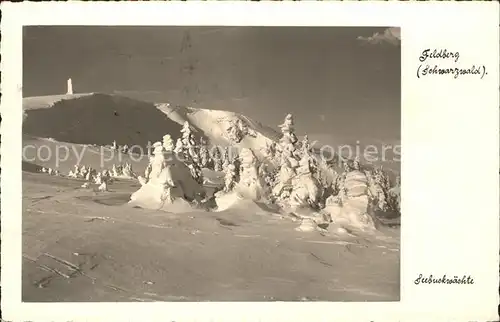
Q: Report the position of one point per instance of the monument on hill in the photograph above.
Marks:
(70, 87)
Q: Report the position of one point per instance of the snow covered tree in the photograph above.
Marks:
(226, 158)
(272, 150)
(243, 127)
(251, 185)
(356, 164)
(217, 159)
(306, 146)
(229, 178)
(283, 180)
(386, 181)
(305, 188)
(234, 131)
(147, 171)
(288, 130)
(346, 166)
(377, 194)
(168, 143)
(342, 195)
(196, 172)
(188, 143)
(179, 147)
(127, 171)
(264, 173)
(394, 194)
(237, 167)
(203, 154)
(187, 135)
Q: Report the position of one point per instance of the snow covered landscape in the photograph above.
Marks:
(134, 199)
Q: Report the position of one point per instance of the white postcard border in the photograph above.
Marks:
(448, 127)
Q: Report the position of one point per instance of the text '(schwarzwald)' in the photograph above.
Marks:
(436, 62)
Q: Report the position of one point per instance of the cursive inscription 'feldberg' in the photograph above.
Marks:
(443, 54)
(446, 57)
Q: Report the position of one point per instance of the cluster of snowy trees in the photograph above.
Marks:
(289, 173)
(197, 155)
(100, 178)
(50, 171)
(296, 177)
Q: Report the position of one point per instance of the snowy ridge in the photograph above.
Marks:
(36, 102)
(214, 124)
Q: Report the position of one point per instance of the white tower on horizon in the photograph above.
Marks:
(70, 87)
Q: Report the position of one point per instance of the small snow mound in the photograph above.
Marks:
(228, 200)
(148, 198)
(234, 201)
(307, 225)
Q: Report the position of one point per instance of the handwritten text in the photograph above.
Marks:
(443, 280)
(444, 62)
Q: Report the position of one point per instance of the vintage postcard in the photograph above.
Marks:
(226, 161)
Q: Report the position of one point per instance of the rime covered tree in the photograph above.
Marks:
(395, 196)
(356, 164)
(204, 155)
(283, 180)
(188, 141)
(168, 143)
(266, 174)
(187, 135)
(251, 185)
(306, 146)
(226, 158)
(288, 130)
(305, 188)
(376, 192)
(229, 177)
(179, 147)
(196, 172)
(234, 131)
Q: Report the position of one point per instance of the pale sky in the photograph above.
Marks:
(335, 80)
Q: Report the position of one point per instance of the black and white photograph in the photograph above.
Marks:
(211, 163)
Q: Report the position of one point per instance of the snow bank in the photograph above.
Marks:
(229, 200)
(234, 201)
(150, 196)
